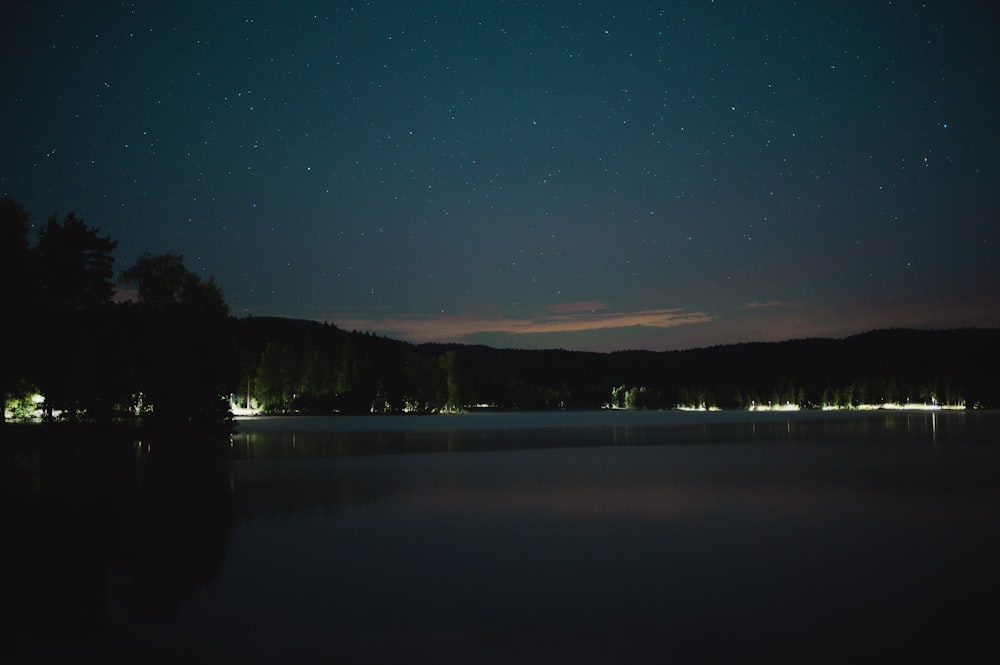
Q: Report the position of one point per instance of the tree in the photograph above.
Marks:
(424, 379)
(270, 379)
(318, 380)
(73, 281)
(185, 355)
(158, 280)
(75, 265)
(452, 370)
(15, 273)
(14, 248)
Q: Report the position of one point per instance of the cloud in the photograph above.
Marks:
(758, 304)
(566, 318)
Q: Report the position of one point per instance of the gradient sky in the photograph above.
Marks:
(586, 175)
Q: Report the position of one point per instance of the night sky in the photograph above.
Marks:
(585, 175)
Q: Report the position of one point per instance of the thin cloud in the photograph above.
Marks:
(761, 304)
(458, 327)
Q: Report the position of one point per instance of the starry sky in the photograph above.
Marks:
(583, 175)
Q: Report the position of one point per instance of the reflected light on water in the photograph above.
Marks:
(640, 538)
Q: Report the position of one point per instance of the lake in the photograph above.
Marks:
(627, 537)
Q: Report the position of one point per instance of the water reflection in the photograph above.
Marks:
(273, 438)
(700, 552)
(86, 528)
(801, 538)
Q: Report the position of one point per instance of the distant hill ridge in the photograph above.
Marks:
(295, 365)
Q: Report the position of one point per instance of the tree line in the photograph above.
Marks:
(170, 354)
(163, 357)
(309, 367)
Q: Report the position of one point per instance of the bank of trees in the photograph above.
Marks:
(58, 313)
(164, 357)
(308, 367)
(295, 366)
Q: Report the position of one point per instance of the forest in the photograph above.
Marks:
(169, 354)
(74, 351)
(294, 366)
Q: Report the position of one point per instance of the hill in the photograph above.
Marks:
(291, 365)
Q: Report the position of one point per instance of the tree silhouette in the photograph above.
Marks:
(184, 353)
(15, 273)
(73, 280)
(272, 390)
(75, 265)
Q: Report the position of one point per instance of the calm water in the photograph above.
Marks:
(500, 538)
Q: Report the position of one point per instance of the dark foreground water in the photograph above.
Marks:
(498, 538)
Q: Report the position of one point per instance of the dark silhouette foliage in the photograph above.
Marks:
(183, 349)
(172, 355)
(72, 285)
(299, 366)
(166, 359)
(15, 273)
(75, 265)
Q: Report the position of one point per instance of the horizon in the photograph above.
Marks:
(592, 177)
(593, 341)
(869, 331)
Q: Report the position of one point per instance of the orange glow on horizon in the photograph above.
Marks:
(564, 319)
